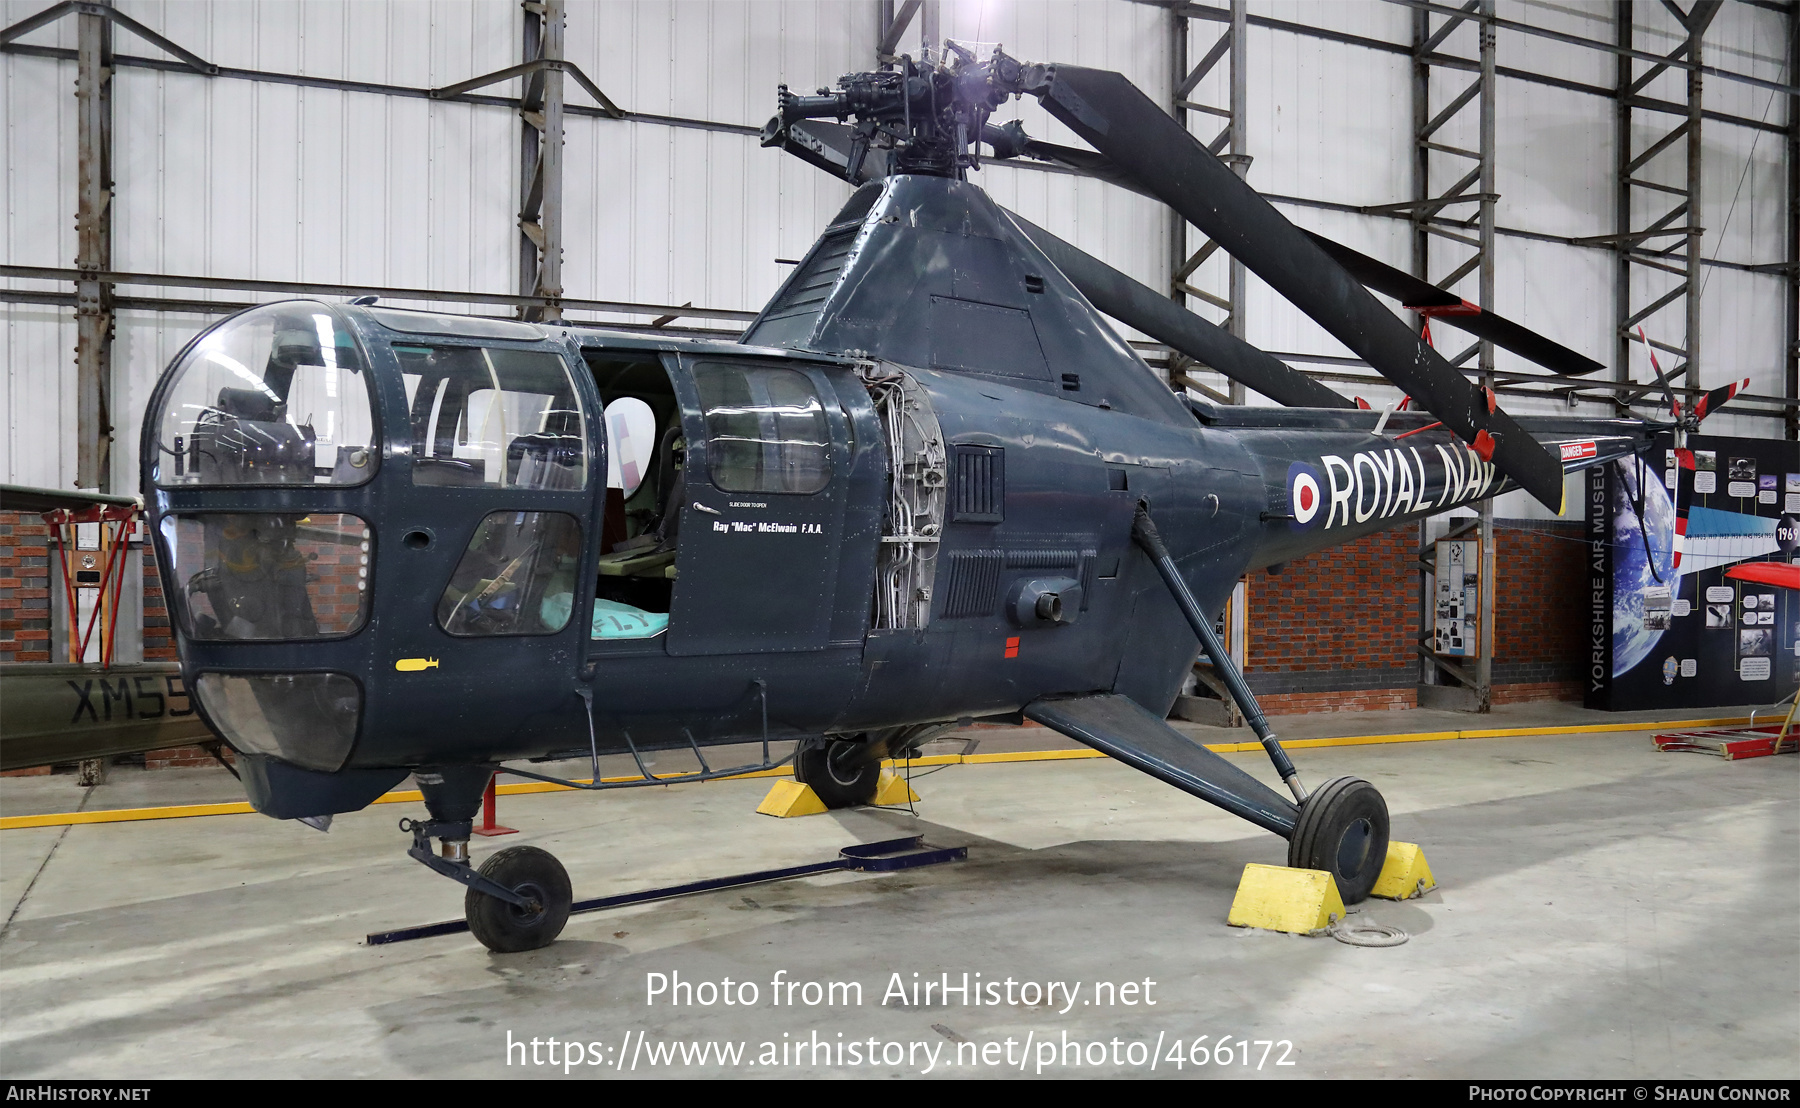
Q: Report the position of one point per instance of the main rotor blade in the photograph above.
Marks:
(1378, 275)
(1137, 305)
(1423, 296)
(1010, 143)
(1118, 120)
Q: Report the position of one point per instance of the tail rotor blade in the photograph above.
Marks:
(1717, 398)
(1137, 305)
(1118, 120)
(1662, 379)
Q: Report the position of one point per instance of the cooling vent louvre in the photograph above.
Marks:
(976, 576)
(974, 587)
(978, 485)
(807, 291)
(1040, 559)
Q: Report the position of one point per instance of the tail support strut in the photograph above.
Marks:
(1144, 533)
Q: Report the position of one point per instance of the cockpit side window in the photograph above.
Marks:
(493, 417)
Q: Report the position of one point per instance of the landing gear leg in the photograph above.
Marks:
(1343, 825)
(520, 898)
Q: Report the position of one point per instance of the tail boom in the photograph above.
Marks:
(1329, 487)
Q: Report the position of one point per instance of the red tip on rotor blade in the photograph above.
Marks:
(1463, 308)
(1484, 443)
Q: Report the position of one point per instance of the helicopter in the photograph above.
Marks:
(929, 484)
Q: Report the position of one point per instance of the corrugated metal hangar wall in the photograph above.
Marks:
(314, 153)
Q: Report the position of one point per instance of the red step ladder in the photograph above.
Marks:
(1731, 743)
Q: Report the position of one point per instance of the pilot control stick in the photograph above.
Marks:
(1143, 531)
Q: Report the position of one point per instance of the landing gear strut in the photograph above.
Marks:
(520, 898)
(1343, 825)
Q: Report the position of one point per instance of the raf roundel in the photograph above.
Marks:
(1304, 496)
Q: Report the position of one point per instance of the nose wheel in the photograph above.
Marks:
(1343, 830)
(536, 877)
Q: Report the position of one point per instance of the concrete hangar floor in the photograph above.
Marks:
(1604, 910)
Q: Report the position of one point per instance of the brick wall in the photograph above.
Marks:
(159, 638)
(24, 588)
(1541, 593)
(1350, 607)
(186, 757)
(25, 555)
(1335, 631)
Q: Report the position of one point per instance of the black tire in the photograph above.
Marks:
(1343, 830)
(506, 928)
(840, 771)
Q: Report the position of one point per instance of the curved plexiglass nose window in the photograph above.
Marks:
(308, 719)
(275, 395)
(241, 576)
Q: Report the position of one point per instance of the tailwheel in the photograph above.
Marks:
(841, 772)
(1343, 830)
(534, 874)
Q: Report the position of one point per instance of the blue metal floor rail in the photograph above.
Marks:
(886, 856)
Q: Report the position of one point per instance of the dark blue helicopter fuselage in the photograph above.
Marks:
(1052, 432)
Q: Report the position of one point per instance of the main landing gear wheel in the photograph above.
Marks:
(1343, 830)
(840, 772)
(534, 874)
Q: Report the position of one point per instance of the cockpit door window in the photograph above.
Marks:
(765, 429)
(519, 576)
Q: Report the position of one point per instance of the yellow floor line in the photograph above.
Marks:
(181, 811)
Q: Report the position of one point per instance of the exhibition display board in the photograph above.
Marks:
(1667, 628)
